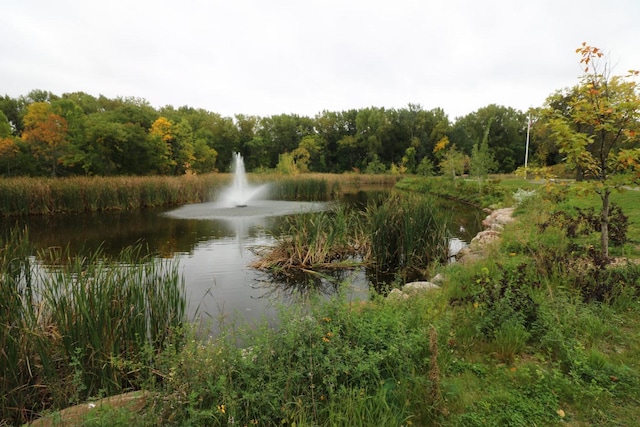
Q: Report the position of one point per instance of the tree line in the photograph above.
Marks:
(43, 134)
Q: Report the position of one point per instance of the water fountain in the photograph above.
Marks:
(243, 200)
(240, 192)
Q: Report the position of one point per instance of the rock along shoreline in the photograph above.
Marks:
(493, 225)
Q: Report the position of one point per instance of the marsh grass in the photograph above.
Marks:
(317, 186)
(407, 234)
(42, 196)
(315, 241)
(401, 234)
(85, 327)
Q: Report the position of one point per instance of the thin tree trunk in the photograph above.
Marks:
(604, 222)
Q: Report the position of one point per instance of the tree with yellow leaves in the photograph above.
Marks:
(598, 129)
(452, 160)
(45, 132)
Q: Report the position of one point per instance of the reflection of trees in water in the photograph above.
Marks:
(302, 284)
(114, 231)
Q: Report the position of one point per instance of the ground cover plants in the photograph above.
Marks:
(538, 332)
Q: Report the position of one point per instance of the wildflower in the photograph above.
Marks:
(222, 409)
(560, 413)
(325, 339)
(326, 319)
(329, 334)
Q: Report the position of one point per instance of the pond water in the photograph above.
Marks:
(213, 253)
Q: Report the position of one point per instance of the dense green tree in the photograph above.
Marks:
(76, 132)
(425, 168)
(283, 133)
(314, 147)
(8, 146)
(349, 153)
(507, 136)
(14, 110)
(131, 110)
(225, 139)
(88, 103)
(39, 95)
(204, 157)
(409, 160)
(452, 161)
(247, 128)
(482, 161)
(373, 129)
(5, 126)
(100, 130)
(183, 149)
(332, 127)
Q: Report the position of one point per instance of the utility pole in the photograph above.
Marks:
(526, 150)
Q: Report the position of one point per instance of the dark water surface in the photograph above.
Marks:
(213, 251)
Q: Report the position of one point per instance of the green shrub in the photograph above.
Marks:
(334, 362)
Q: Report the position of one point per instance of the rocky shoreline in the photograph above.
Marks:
(493, 225)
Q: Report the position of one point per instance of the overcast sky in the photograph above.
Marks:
(267, 57)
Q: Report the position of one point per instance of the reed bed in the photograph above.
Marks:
(407, 234)
(319, 240)
(303, 189)
(320, 186)
(42, 196)
(87, 326)
(401, 234)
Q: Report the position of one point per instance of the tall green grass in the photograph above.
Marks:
(42, 196)
(84, 326)
(406, 233)
(299, 188)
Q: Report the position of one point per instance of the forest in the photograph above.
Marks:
(73, 134)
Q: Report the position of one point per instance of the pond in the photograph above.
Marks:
(213, 253)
